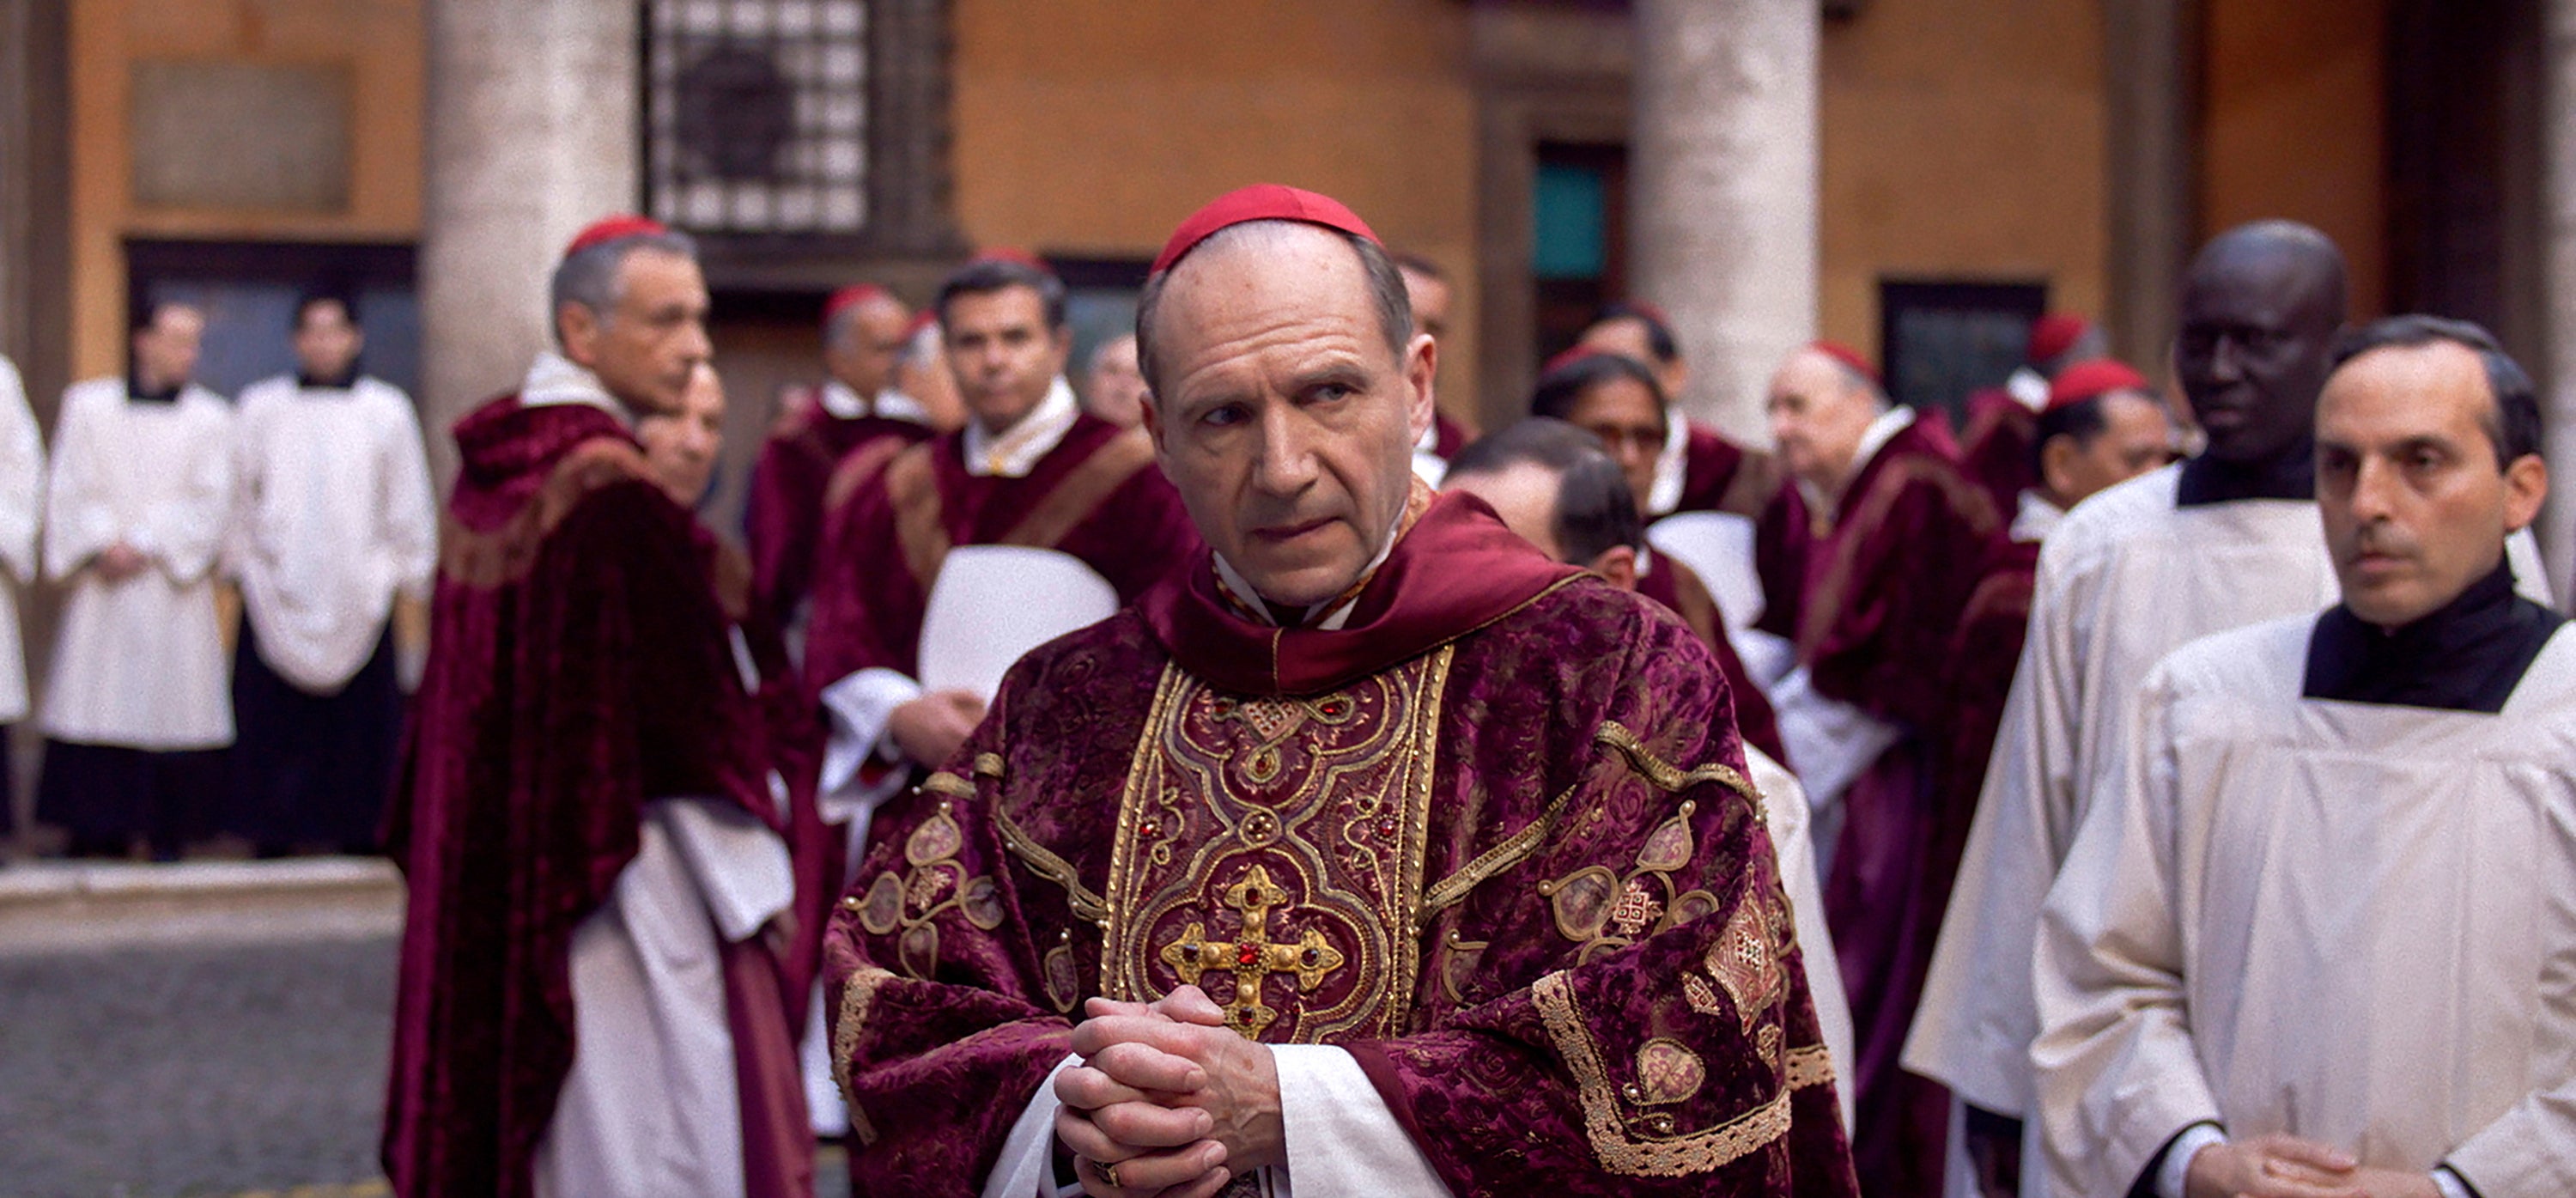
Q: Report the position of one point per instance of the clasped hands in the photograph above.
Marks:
(2281, 1166)
(1168, 1101)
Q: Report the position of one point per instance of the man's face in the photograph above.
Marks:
(1624, 414)
(1525, 495)
(862, 351)
(2415, 506)
(1818, 415)
(1430, 300)
(165, 351)
(1289, 425)
(1115, 390)
(645, 347)
(1627, 336)
(2251, 353)
(1003, 353)
(2135, 438)
(326, 341)
(682, 446)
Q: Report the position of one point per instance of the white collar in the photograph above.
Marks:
(2036, 518)
(1894, 420)
(1672, 466)
(842, 403)
(1333, 621)
(1015, 453)
(553, 379)
(2030, 387)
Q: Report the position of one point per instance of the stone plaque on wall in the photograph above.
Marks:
(240, 135)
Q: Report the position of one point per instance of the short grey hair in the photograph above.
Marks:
(590, 276)
(1385, 283)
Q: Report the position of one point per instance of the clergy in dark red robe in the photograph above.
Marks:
(857, 405)
(1030, 469)
(1999, 444)
(1389, 853)
(1900, 537)
(596, 861)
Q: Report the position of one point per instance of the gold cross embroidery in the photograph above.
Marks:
(1252, 958)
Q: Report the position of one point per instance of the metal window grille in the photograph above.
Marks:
(756, 115)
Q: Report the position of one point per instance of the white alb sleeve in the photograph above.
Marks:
(1341, 1138)
(1026, 1168)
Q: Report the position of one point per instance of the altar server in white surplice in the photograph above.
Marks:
(335, 520)
(2320, 937)
(135, 703)
(22, 498)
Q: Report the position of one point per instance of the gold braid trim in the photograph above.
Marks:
(1044, 863)
(988, 765)
(1698, 1152)
(1509, 853)
(857, 995)
(945, 783)
(1809, 1065)
(1667, 776)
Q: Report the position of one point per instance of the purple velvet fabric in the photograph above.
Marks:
(1115, 512)
(782, 515)
(1674, 585)
(579, 665)
(1583, 983)
(1885, 589)
(1999, 448)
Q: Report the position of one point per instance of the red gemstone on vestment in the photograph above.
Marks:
(1247, 954)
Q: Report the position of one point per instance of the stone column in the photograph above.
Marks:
(2557, 531)
(1722, 178)
(2150, 55)
(531, 135)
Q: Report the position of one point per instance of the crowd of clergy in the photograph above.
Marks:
(225, 659)
(1229, 776)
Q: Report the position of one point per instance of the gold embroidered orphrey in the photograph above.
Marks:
(1271, 850)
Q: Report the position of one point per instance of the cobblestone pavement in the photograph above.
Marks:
(236, 1070)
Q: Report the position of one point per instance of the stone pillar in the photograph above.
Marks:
(1722, 178)
(2557, 531)
(2150, 52)
(531, 135)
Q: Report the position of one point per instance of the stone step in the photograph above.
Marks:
(70, 906)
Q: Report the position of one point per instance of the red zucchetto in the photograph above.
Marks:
(1261, 201)
(2085, 380)
(1850, 357)
(607, 229)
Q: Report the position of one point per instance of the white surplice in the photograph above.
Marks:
(2350, 922)
(2127, 577)
(139, 663)
(22, 498)
(651, 1108)
(336, 517)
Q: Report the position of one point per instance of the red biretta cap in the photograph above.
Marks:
(851, 297)
(2085, 380)
(1261, 201)
(1849, 357)
(607, 229)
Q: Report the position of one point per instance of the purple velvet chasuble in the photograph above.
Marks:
(1493, 838)
(1885, 588)
(580, 666)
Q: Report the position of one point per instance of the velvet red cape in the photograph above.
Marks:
(579, 666)
(782, 515)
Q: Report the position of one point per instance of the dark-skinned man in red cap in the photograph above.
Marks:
(1373, 848)
(593, 840)
(1898, 536)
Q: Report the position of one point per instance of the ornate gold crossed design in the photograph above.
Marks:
(1253, 958)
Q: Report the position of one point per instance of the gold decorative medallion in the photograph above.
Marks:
(1269, 850)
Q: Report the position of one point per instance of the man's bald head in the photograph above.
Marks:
(1288, 389)
(2260, 307)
